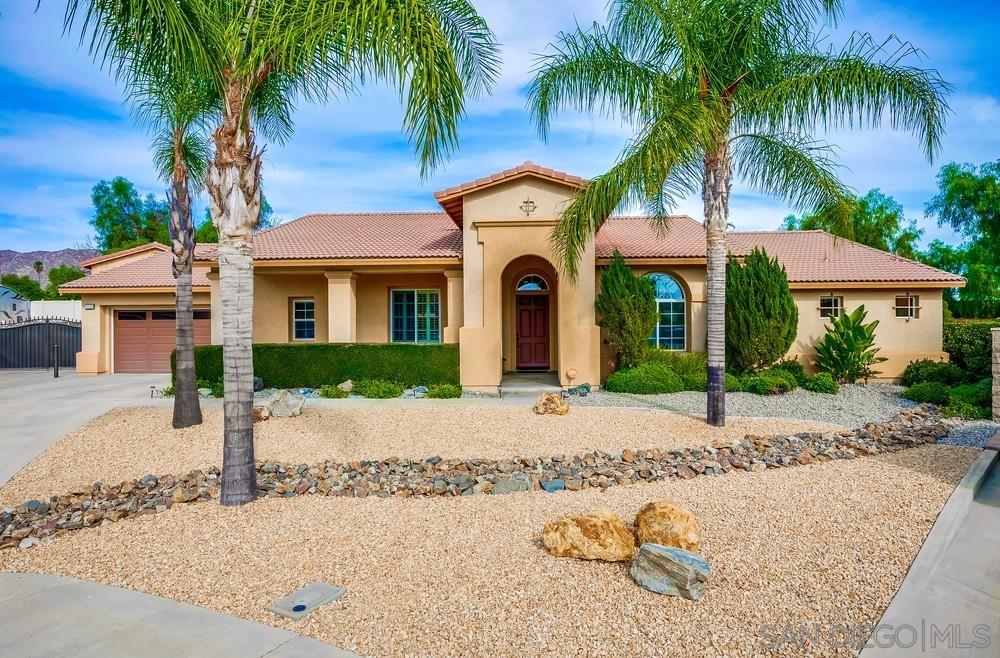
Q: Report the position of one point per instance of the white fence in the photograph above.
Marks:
(69, 309)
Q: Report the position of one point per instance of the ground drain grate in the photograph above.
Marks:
(301, 602)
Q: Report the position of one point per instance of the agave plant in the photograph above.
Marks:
(848, 350)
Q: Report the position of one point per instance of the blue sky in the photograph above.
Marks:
(63, 125)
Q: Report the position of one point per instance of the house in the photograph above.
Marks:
(481, 273)
(13, 306)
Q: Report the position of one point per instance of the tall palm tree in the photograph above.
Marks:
(714, 87)
(176, 109)
(263, 55)
(38, 267)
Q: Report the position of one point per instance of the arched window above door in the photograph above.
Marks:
(671, 329)
(532, 282)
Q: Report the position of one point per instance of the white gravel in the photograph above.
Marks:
(973, 433)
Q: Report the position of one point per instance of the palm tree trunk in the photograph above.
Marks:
(715, 195)
(187, 408)
(234, 193)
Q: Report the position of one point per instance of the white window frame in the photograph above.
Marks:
(911, 308)
(838, 306)
(295, 301)
(656, 339)
(416, 294)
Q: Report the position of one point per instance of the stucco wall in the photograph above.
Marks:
(272, 293)
(373, 301)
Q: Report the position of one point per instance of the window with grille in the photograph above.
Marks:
(907, 306)
(416, 316)
(303, 319)
(830, 306)
(671, 328)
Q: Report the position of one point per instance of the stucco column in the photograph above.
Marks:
(342, 306)
(996, 373)
(95, 346)
(455, 305)
(215, 300)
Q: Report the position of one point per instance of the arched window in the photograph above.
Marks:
(670, 331)
(532, 282)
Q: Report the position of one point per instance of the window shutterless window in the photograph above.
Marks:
(669, 332)
(907, 306)
(416, 316)
(303, 319)
(830, 306)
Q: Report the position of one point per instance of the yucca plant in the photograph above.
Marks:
(848, 350)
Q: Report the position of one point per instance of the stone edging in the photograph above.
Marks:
(433, 476)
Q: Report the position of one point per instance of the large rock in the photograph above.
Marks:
(670, 570)
(551, 403)
(667, 524)
(599, 535)
(346, 386)
(285, 405)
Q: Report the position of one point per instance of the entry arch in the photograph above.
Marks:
(530, 315)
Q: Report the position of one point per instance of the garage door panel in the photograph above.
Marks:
(145, 339)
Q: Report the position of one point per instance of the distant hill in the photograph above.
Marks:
(16, 262)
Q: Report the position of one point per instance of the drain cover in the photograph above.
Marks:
(301, 602)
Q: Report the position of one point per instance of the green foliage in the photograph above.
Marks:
(761, 316)
(966, 410)
(875, 220)
(822, 383)
(769, 382)
(25, 286)
(933, 392)
(969, 344)
(733, 383)
(683, 363)
(626, 305)
(287, 365)
(59, 275)
(794, 367)
(167, 391)
(979, 394)
(378, 389)
(332, 392)
(980, 298)
(848, 351)
(444, 391)
(124, 219)
(928, 370)
(646, 379)
(218, 389)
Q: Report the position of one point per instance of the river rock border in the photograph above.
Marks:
(101, 504)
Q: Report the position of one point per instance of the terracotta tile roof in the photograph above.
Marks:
(808, 256)
(359, 235)
(155, 271)
(124, 252)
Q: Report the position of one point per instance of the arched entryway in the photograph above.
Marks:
(530, 322)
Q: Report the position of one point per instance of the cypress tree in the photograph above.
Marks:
(627, 306)
(761, 316)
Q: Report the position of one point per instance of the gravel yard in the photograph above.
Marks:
(852, 407)
(130, 442)
(826, 543)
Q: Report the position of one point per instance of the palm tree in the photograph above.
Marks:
(717, 86)
(38, 267)
(176, 109)
(263, 55)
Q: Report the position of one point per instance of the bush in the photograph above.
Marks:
(969, 344)
(696, 381)
(287, 365)
(769, 382)
(691, 367)
(927, 370)
(979, 394)
(332, 393)
(733, 383)
(793, 367)
(933, 392)
(848, 351)
(627, 308)
(761, 316)
(442, 391)
(965, 410)
(378, 389)
(647, 378)
(822, 383)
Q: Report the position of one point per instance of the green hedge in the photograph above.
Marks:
(284, 365)
(969, 344)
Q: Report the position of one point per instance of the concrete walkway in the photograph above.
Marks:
(46, 615)
(949, 602)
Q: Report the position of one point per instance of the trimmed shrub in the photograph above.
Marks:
(683, 363)
(443, 391)
(965, 410)
(979, 394)
(761, 316)
(769, 382)
(287, 365)
(933, 392)
(378, 389)
(822, 383)
(969, 345)
(793, 367)
(733, 383)
(696, 381)
(627, 308)
(848, 351)
(647, 378)
(927, 370)
(332, 393)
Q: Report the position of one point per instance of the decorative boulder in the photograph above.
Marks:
(258, 384)
(285, 405)
(670, 570)
(599, 535)
(347, 386)
(667, 524)
(260, 414)
(551, 403)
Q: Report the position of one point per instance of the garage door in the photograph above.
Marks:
(145, 339)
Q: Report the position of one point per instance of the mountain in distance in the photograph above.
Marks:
(17, 262)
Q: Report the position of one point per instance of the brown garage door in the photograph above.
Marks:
(145, 339)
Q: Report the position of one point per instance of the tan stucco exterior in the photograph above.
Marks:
(501, 242)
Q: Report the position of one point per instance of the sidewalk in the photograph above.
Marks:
(46, 615)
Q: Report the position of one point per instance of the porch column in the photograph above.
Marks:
(456, 311)
(342, 306)
(215, 301)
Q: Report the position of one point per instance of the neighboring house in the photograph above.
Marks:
(12, 305)
(482, 274)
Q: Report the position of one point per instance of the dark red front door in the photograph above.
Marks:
(532, 332)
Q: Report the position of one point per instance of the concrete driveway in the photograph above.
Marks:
(36, 410)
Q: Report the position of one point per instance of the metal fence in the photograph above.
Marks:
(38, 343)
